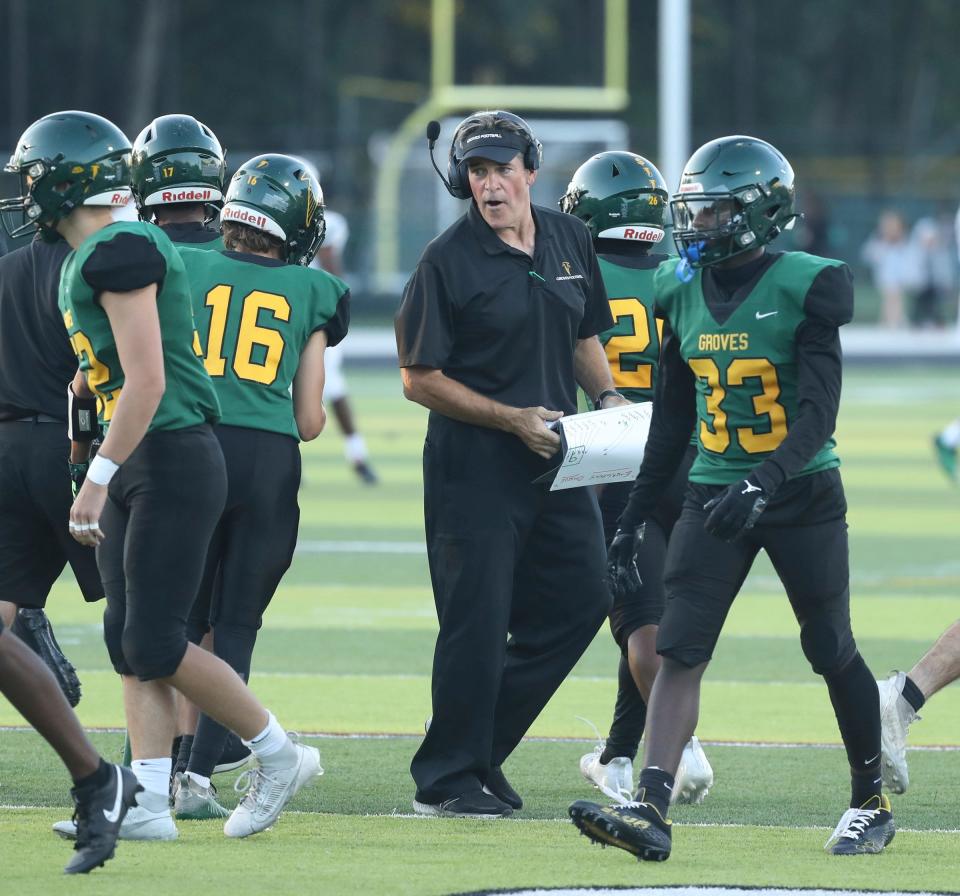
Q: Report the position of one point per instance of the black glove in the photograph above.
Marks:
(735, 510)
(78, 472)
(623, 577)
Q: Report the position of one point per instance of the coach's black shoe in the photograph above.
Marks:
(497, 785)
(636, 827)
(865, 830)
(33, 628)
(476, 804)
(98, 813)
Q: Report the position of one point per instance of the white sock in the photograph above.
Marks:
(271, 740)
(951, 435)
(153, 774)
(355, 448)
(200, 779)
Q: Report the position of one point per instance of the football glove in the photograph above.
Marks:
(735, 510)
(78, 473)
(623, 577)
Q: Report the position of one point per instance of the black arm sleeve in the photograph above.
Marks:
(424, 324)
(125, 263)
(674, 416)
(828, 305)
(336, 326)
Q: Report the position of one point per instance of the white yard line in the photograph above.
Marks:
(395, 735)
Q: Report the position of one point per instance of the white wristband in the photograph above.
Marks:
(101, 470)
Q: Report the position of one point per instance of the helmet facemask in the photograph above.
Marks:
(51, 189)
(711, 227)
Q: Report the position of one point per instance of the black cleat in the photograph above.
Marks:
(636, 827)
(33, 628)
(235, 755)
(497, 785)
(366, 473)
(98, 813)
(865, 830)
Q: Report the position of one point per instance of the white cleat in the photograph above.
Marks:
(896, 714)
(694, 775)
(269, 787)
(615, 779)
(150, 819)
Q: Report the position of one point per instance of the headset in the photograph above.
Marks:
(456, 181)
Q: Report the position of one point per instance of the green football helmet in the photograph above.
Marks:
(620, 196)
(177, 159)
(65, 160)
(281, 196)
(736, 194)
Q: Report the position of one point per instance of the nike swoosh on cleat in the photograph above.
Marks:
(766, 314)
(114, 816)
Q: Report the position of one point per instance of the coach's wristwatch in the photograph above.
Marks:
(606, 393)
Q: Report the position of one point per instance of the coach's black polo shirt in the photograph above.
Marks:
(500, 322)
(36, 360)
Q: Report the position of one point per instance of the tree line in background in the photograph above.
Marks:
(862, 97)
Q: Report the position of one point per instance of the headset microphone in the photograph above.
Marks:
(433, 132)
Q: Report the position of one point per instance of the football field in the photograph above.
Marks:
(345, 657)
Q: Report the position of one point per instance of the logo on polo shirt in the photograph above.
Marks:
(568, 272)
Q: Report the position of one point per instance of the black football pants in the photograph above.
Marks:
(250, 550)
(163, 504)
(518, 582)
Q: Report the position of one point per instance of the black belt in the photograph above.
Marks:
(35, 418)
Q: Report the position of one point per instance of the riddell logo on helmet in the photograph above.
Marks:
(120, 199)
(186, 195)
(645, 234)
(627, 232)
(247, 217)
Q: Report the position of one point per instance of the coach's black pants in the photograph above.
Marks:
(507, 558)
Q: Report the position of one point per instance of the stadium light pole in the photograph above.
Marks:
(673, 94)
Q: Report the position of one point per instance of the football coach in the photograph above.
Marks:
(497, 326)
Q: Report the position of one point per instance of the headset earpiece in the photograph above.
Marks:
(458, 178)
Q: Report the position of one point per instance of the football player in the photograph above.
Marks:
(102, 793)
(153, 494)
(751, 356)
(265, 320)
(946, 443)
(623, 198)
(178, 170)
(35, 492)
(330, 259)
(178, 173)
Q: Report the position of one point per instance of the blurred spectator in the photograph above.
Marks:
(891, 259)
(932, 242)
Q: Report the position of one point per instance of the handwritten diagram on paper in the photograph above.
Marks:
(602, 446)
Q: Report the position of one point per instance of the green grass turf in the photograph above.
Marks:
(347, 647)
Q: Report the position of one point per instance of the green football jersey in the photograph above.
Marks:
(255, 316)
(632, 344)
(189, 398)
(746, 367)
